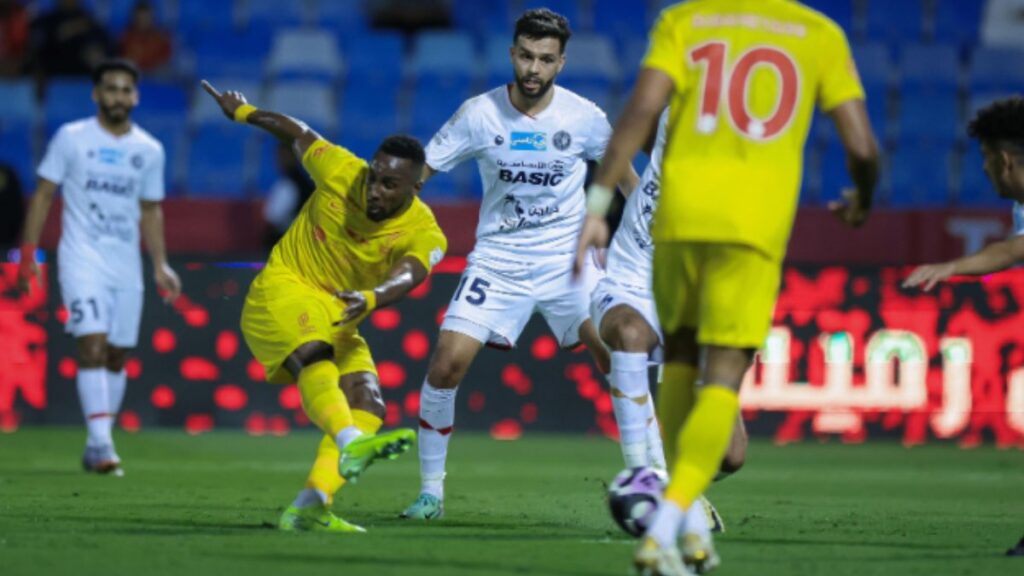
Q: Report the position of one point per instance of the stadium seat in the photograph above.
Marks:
(347, 17)
(568, 8)
(312, 102)
(378, 56)
(19, 103)
(445, 55)
(117, 13)
(368, 108)
(273, 14)
(196, 16)
(162, 97)
(493, 17)
(67, 100)
(206, 111)
(599, 93)
(833, 174)
(997, 69)
(304, 54)
(928, 116)
(873, 65)
(632, 56)
(497, 62)
(899, 21)
(591, 57)
(216, 165)
(620, 20)
(839, 10)
(234, 54)
(933, 66)
(975, 187)
(958, 21)
(452, 186)
(920, 176)
(170, 131)
(16, 151)
(431, 109)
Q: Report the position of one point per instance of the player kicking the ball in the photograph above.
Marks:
(531, 140)
(743, 77)
(111, 174)
(362, 241)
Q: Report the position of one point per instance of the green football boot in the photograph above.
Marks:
(368, 448)
(315, 519)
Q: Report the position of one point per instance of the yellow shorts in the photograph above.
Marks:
(282, 313)
(726, 292)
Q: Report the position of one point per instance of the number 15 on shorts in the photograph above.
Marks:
(476, 290)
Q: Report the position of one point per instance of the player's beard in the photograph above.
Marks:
(116, 115)
(544, 87)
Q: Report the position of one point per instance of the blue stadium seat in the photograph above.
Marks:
(958, 21)
(632, 56)
(874, 65)
(997, 69)
(486, 18)
(620, 20)
(312, 102)
(378, 56)
(598, 92)
(67, 100)
(16, 151)
(839, 10)
(462, 183)
(591, 57)
(895, 21)
(221, 54)
(369, 111)
(273, 14)
(497, 61)
(431, 108)
(347, 17)
(217, 161)
(920, 176)
(170, 131)
(19, 103)
(975, 187)
(935, 66)
(928, 116)
(834, 176)
(161, 97)
(196, 16)
(300, 54)
(568, 8)
(824, 130)
(206, 111)
(445, 55)
(117, 13)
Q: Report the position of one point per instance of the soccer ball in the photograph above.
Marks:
(634, 497)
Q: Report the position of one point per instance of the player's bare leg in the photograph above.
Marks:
(448, 366)
(590, 338)
(632, 340)
(94, 394)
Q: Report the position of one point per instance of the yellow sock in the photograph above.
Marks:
(322, 398)
(324, 475)
(703, 442)
(675, 399)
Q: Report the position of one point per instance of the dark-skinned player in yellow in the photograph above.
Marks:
(362, 241)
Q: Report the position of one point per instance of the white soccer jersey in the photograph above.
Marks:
(102, 177)
(532, 167)
(632, 249)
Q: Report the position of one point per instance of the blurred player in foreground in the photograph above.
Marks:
(362, 241)
(111, 174)
(531, 140)
(999, 128)
(623, 310)
(743, 77)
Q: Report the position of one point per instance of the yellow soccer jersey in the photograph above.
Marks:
(333, 245)
(747, 74)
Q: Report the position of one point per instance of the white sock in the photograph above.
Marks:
(631, 403)
(696, 521)
(668, 519)
(437, 419)
(655, 449)
(310, 497)
(95, 399)
(346, 435)
(116, 384)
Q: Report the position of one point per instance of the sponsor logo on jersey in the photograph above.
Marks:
(110, 184)
(111, 156)
(547, 174)
(529, 141)
(499, 140)
(562, 140)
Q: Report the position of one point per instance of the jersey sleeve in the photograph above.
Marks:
(666, 51)
(599, 134)
(54, 166)
(428, 246)
(153, 183)
(839, 79)
(454, 143)
(329, 163)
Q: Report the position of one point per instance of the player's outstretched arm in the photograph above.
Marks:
(992, 258)
(285, 128)
(862, 160)
(152, 225)
(35, 219)
(407, 274)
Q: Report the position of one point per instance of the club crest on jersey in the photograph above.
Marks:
(137, 161)
(529, 141)
(562, 140)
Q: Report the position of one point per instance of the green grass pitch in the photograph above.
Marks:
(206, 505)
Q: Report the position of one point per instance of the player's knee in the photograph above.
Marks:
(364, 394)
(628, 335)
(446, 371)
(92, 353)
(116, 358)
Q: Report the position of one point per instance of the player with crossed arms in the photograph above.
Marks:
(111, 174)
(743, 77)
(531, 140)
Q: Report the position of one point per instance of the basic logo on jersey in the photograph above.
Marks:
(116, 184)
(529, 141)
(562, 140)
(546, 174)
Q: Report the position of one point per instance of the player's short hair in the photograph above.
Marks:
(404, 146)
(114, 65)
(1001, 124)
(543, 23)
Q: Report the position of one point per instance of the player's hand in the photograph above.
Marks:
(28, 270)
(849, 210)
(168, 282)
(594, 234)
(229, 101)
(355, 306)
(929, 275)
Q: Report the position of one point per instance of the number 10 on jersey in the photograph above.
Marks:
(734, 83)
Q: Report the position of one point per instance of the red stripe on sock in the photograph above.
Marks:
(100, 415)
(442, 431)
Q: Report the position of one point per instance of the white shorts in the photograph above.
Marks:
(97, 309)
(608, 294)
(496, 298)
